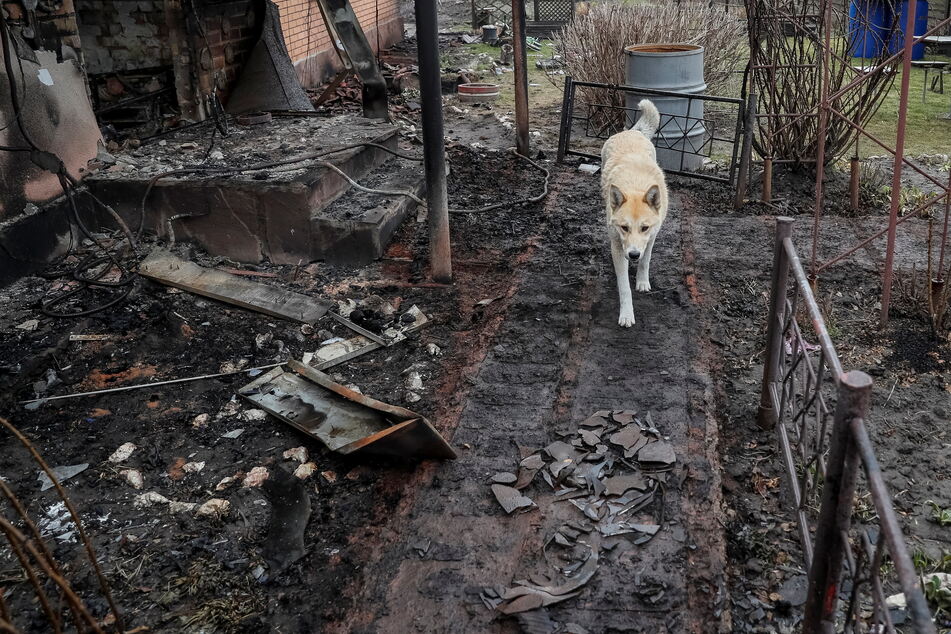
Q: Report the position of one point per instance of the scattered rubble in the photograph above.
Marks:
(609, 468)
(255, 477)
(214, 508)
(297, 453)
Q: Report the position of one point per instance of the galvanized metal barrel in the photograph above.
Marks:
(674, 68)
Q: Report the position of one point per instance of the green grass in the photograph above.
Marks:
(542, 93)
(925, 131)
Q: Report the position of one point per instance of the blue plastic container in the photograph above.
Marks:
(897, 40)
(868, 28)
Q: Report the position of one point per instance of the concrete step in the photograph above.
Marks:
(243, 218)
(357, 227)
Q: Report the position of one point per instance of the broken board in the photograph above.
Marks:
(163, 267)
(344, 420)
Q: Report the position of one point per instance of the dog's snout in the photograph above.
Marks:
(633, 253)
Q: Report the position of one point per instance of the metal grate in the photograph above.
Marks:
(541, 15)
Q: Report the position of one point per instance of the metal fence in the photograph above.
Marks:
(591, 112)
(543, 17)
(855, 557)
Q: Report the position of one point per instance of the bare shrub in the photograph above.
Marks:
(592, 45)
(787, 60)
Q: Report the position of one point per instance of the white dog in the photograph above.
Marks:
(635, 196)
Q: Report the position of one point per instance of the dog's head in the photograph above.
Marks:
(635, 217)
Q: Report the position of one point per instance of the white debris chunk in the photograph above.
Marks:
(215, 507)
(234, 433)
(201, 420)
(122, 453)
(227, 482)
(297, 453)
(181, 507)
(255, 477)
(29, 324)
(133, 477)
(252, 415)
(414, 382)
(305, 470)
(193, 467)
(148, 499)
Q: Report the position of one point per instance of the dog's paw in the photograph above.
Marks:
(626, 320)
(642, 286)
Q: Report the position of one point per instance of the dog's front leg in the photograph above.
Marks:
(643, 281)
(626, 318)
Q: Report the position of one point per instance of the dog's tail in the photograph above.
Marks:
(649, 120)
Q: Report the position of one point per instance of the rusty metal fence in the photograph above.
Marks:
(854, 551)
(591, 112)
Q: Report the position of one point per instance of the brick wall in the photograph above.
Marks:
(232, 29)
(309, 44)
(123, 35)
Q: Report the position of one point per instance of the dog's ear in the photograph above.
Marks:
(652, 197)
(617, 197)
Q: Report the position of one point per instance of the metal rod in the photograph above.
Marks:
(858, 80)
(944, 233)
(896, 172)
(520, 62)
(815, 314)
(427, 44)
(565, 131)
(838, 490)
(742, 182)
(156, 384)
(767, 414)
(907, 577)
(823, 129)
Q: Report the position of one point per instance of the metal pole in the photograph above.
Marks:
(565, 120)
(434, 155)
(899, 155)
(823, 129)
(521, 77)
(746, 155)
(774, 327)
(835, 513)
(767, 179)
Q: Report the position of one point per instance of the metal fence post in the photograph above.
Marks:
(835, 513)
(565, 131)
(742, 180)
(774, 329)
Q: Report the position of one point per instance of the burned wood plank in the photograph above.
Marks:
(167, 269)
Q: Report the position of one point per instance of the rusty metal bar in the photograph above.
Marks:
(896, 172)
(434, 152)
(882, 145)
(767, 414)
(742, 181)
(944, 233)
(15, 536)
(835, 512)
(908, 216)
(90, 553)
(858, 80)
(815, 313)
(520, 62)
(907, 577)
